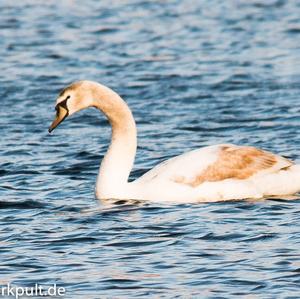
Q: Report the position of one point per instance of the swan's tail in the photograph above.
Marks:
(283, 182)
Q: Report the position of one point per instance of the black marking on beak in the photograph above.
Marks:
(63, 104)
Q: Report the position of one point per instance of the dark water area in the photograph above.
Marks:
(194, 73)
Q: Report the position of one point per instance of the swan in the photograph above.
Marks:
(213, 173)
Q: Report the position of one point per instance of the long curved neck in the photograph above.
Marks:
(116, 165)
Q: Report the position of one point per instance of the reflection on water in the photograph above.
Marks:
(194, 74)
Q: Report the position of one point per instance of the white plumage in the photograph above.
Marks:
(213, 173)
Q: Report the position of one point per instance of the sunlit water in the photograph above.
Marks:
(194, 73)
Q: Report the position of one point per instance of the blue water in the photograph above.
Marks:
(195, 73)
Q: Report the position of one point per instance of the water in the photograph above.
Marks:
(195, 73)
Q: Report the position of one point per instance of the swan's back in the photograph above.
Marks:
(216, 163)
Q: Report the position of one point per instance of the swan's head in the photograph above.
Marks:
(73, 98)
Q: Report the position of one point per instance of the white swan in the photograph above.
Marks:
(213, 173)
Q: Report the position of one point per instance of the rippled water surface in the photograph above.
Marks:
(195, 73)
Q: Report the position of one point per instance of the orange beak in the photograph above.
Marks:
(61, 114)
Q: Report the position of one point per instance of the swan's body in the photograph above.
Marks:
(213, 173)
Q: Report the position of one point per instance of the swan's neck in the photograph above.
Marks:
(112, 180)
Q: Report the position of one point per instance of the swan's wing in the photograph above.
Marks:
(217, 163)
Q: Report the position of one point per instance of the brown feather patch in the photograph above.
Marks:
(233, 163)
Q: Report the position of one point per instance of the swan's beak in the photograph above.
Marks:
(61, 114)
